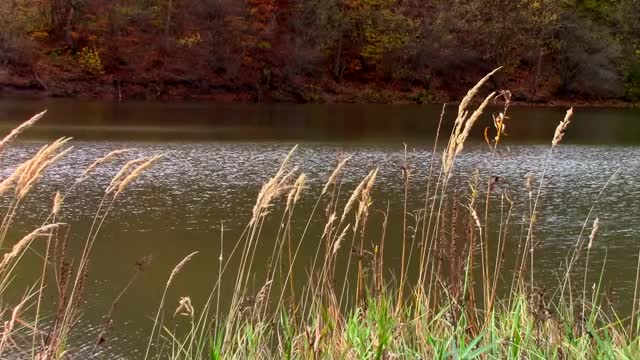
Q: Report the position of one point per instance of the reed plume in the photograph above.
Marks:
(135, 173)
(26, 241)
(178, 268)
(355, 194)
(27, 173)
(464, 123)
(112, 155)
(184, 304)
(365, 199)
(561, 128)
(334, 174)
(327, 226)
(594, 230)
(262, 294)
(123, 172)
(338, 243)
(23, 188)
(22, 127)
(57, 203)
(299, 186)
(9, 325)
(7, 183)
(273, 188)
(296, 191)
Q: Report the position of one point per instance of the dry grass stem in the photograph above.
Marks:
(112, 155)
(334, 174)
(123, 172)
(327, 226)
(355, 194)
(474, 90)
(179, 267)
(135, 173)
(22, 127)
(470, 122)
(27, 173)
(23, 187)
(296, 191)
(299, 186)
(9, 325)
(262, 294)
(365, 198)
(338, 243)
(26, 241)
(464, 123)
(273, 188)
(184, 305)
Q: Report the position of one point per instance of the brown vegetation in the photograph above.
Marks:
(319, 51)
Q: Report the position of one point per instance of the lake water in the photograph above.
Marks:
(218, 157)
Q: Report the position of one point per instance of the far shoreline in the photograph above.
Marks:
(237, 98)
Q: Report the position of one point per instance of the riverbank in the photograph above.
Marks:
(69, 81)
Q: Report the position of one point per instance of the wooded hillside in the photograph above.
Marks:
(320, 50)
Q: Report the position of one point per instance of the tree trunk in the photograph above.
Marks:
(167, 24)
(336, 67)
(67, 30)
(536, 79)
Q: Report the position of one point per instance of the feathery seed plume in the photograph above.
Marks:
(596, 226)
(561, 128)
(178, 268)
(113, 154)
(338, 243)
(26, 241)
(335, 174)
(15, 132)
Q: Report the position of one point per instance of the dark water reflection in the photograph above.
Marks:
(181, 204)
(348, 122)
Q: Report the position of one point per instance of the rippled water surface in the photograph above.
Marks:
(200, 196)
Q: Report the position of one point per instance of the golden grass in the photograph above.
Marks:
(25, 242)
(562, 128)
(18, 130)
(324, 320)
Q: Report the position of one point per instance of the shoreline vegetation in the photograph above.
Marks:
(453, 311)
(554, 52)
(27, 92)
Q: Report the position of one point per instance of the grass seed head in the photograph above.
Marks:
(594, 230)
(335, 173)
(26, 241)
(338, 243)
(112, 155)
(135, 173)
(57, 203)
(22, 127)
(178, 268)
(562, 128)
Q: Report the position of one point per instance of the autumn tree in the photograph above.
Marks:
(590, 52)
(317, 30)
(387, 34)
(17, 18)
(627, 16)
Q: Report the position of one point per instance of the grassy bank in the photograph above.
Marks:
(451, 298)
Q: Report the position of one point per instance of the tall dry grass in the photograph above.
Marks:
(69, 276)
(442, 302)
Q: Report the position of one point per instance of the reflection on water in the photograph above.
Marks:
(326, 123)
(203, 192)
